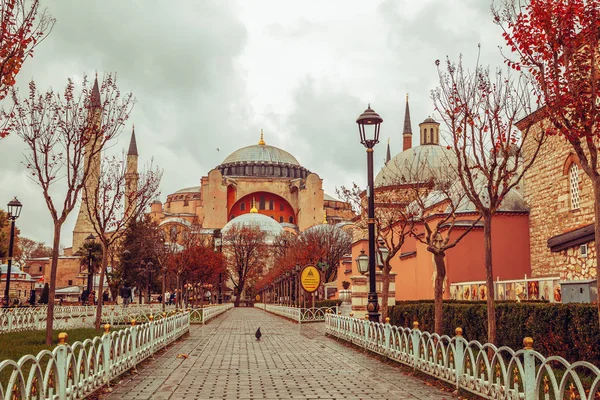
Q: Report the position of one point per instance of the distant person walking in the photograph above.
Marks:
(126, 294)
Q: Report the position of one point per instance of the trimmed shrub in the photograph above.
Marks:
(566, 330)
(326, 303)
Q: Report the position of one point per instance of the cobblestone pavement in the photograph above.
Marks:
(291, 361)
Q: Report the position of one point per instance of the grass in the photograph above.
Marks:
(17, 344)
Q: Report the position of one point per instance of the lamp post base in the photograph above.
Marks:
(373, 307)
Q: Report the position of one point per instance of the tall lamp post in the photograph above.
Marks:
(369, 123)
(217, 235)
(14, 210)
(90, 279)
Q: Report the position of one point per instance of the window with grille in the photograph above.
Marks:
(574, 184)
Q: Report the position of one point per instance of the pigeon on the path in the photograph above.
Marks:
(258, 334)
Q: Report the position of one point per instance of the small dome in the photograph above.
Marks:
(261, 153)
(429, 120)
(417, 164)
(267, 224)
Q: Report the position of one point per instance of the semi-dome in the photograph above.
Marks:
(262, 160)
(268, 225)
(418, 164)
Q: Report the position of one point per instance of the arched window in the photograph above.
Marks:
(242, 206)
(280, 219)
(271, 204)
(574, 186)
(431, 140)
(291, 219)
(261, 205)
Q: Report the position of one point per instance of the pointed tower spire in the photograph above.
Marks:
(95, 100)
(132, 144)
(262, 139)
(407, 132)
(388, 155)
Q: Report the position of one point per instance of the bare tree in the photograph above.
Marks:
(112, 202)
(61, 131)
(245, 250)
(393, 224)
(481, 110)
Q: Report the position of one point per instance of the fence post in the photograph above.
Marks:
(61, 365)
(415, 334)
(134, 344)
(106, 345)
(529, 366)
(366, 325)
(459, 354)
(387, 333)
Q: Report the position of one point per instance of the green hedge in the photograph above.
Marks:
(326, 303)
(567, 330)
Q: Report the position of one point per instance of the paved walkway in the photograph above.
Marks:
(290, 362)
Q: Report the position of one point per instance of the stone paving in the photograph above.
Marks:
(291, 361)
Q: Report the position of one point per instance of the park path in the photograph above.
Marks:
(291, 361)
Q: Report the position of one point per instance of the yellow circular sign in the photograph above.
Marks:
(310, 279)
(258, 297)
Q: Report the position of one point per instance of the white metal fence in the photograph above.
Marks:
(483, 369)
(70, 317)
(299, 315)
(203, 315)
(73, 371)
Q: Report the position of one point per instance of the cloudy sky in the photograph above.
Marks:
(209, 75)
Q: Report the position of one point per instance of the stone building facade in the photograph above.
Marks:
(561, 202)
(270, 177)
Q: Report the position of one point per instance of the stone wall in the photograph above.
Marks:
(547, 193)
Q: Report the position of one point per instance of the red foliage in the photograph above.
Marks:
(22, 28)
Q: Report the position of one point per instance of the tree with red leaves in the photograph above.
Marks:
(62, 132)
(22, 27)
(201, 266)
(246, 254)
(556, 43)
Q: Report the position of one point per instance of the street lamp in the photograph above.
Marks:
(90, 241)
(217, 235)
(14, 210)
(362, 263)
(369, 138)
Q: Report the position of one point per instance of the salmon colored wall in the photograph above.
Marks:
(276, 213)
(464, 263)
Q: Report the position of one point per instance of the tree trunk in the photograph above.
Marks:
(489, 278)
(596, 186)
(101, 286)
(52, 285)
(438, 291)
(239, 294)
(385, 291)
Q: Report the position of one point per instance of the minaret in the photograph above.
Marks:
(83, 226)
(131, 176)
(388, 155)
(407, 132)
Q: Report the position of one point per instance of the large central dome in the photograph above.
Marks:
(261, 160)
(261, 153)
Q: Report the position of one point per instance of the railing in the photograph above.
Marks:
(299, 315)
(483, 369)
(205, 314)
(74, 371)
(69, 317)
